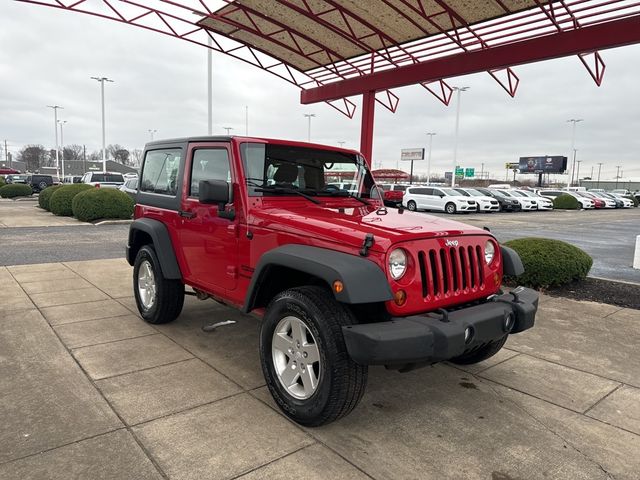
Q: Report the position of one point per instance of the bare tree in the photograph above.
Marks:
(136, 157)
(34, 156)
(73, 152)
(95, 156)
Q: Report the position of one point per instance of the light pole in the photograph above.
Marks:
(617, 175)
(246, 120)
(309, 116)
(573, 166)
(62, 122)
(341, 144)
(573, 142)
(104, 151)
(430, 134)
(578, 172)
(228, 129)
(599, 170)
(459, 90)
(55, 126)
(151, 132)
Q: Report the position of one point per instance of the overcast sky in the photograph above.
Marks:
(47, 56)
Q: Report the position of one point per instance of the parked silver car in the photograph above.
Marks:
(130, 187)
(103, 179)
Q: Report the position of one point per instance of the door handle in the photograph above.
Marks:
(186, 214)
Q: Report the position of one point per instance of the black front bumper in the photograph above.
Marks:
(440, 336)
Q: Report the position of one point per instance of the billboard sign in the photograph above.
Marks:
(412, 154)
(545, 164)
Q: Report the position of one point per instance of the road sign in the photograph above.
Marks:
(469, 172)
(511, 165)
(412, 154)
(459, 172)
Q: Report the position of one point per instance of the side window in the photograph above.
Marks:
(160, 171)
(385, 187)
(209, 164)
(428, 191)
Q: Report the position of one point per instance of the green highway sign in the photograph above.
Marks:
(459, 171)
(469, 172)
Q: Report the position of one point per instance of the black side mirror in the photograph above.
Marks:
(218, 192)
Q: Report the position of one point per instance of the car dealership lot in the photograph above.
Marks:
(102, 392)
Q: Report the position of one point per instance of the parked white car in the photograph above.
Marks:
(628, 203)
(485, 203)
(526, 202)
(585, 202)
(439, 199)
(103, 179)
(543, 202)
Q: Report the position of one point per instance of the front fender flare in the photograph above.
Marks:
(363, 280)
(161, 242)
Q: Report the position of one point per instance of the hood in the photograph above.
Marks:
(349, 225)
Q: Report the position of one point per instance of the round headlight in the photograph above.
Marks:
(489, 252)
(397, 263)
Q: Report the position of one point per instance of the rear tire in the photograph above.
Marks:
(450, 208)
(310, 375)
(159, 299)
(481, 354)
(411, 206)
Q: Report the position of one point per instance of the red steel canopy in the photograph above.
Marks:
(334, 49)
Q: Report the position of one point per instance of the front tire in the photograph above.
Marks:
(450, 208)
(481, 354)
(304, 359)
(411, 206)
(159, 299)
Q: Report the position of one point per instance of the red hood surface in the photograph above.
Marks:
(349, 225)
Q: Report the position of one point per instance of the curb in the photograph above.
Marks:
(112, 222)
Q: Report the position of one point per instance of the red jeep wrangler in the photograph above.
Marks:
(340, 281)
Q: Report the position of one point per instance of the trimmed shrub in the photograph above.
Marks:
(2, 181)
(14, 190)
(45, 196)
(549, 262)
(61, 198)
(100, 203)
(566, 201)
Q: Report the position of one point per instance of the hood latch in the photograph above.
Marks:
(367, 244)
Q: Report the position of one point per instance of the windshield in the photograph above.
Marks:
(475, 193)
(520, 194)
(451, 192)
(463, 192)
(506, 194)
(272, 169)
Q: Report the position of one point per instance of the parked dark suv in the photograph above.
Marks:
(40, 182)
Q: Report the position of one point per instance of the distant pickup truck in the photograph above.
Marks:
(103, 179)
(340, 281)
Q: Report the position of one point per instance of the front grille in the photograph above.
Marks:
(451, 271)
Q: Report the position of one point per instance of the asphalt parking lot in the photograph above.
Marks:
(91, 391)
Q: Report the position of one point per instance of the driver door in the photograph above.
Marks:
(209, 243)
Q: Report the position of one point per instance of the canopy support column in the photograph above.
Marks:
(366, 126)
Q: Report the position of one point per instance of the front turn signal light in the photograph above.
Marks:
(400, 297)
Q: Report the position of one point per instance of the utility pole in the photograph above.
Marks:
(6, 154)
(459, 90)
(430, 134)
(617, 175)
(228, 129)
(309, 117)
(246, 120)
(599, 170)
(341, 144)
(578, 173)
(104, 151)
(573, 167)
(573, 142)
(55, 125)
(151, 132)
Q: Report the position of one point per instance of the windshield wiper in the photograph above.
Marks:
(276, 189)
(345, 193)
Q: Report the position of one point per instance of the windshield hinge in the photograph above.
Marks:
(367, 244)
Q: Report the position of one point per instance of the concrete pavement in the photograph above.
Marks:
(88, 390)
